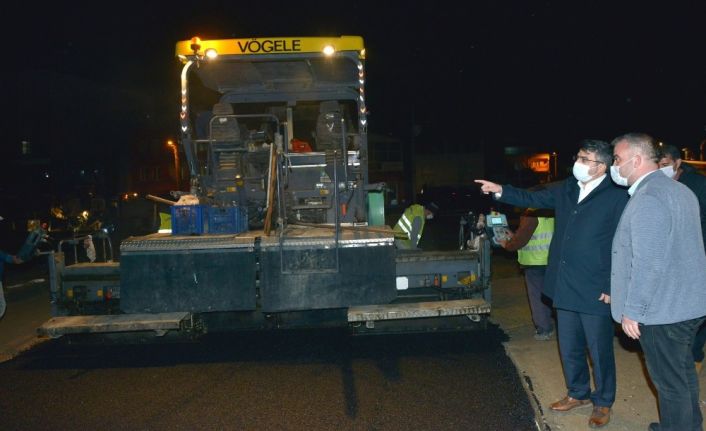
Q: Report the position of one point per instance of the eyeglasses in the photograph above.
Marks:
(585, 159)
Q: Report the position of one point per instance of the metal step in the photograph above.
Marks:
(58, 326)
(368, 313)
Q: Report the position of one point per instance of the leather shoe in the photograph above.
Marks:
(599, 417)
(567, 403)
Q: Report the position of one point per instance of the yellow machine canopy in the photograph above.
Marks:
(267, 45)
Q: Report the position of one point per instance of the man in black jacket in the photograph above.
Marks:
(587, 210)
(672, 165)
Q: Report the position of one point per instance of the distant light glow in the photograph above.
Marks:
(211, 53)
(329, 50)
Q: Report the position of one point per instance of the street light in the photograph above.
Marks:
(175, 152)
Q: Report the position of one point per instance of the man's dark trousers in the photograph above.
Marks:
(699, 341)
(671, 366)
(541, 312)
(576, 331)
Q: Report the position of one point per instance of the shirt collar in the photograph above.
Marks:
(633, 187)
(591, 184)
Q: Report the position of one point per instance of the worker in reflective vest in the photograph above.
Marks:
(409, 228)
(531, 240)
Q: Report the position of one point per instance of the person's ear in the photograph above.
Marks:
(599, 169)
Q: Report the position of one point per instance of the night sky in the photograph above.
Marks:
(527, 73)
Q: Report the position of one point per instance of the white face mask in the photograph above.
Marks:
(430, 216)
(615, 173)
(668, 171)
(581, 172)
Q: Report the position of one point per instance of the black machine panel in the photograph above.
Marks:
(304, 275)
(162, 281)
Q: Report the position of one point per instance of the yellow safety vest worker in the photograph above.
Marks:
(536, 251)
(165, 223)
(403, 228)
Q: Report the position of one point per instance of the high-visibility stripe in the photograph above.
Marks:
(542, 247)
(405, 224)
(404, 228)
(536, 252)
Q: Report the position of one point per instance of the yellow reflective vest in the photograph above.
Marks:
(536, 251)
(403, 228)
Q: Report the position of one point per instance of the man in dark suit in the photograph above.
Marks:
(587, 209)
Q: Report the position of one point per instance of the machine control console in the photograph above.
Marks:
(498, 228)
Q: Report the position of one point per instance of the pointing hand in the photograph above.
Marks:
(488, 187)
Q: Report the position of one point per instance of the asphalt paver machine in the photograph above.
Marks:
(281, 227)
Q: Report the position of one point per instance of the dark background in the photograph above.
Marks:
(93, 86)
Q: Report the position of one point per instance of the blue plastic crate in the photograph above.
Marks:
(189, 219)
(227, 220)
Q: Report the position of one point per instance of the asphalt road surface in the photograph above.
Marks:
(313, 380)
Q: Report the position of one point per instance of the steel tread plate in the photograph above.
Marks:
(166, 242)
(58, 326)
(315, 236)
(459, 307)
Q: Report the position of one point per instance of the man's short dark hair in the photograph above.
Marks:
(601, 149)
(641, 142)
(669, 151)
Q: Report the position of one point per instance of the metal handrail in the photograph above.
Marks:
(78, 240)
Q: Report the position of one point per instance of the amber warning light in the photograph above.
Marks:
(196, 44)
